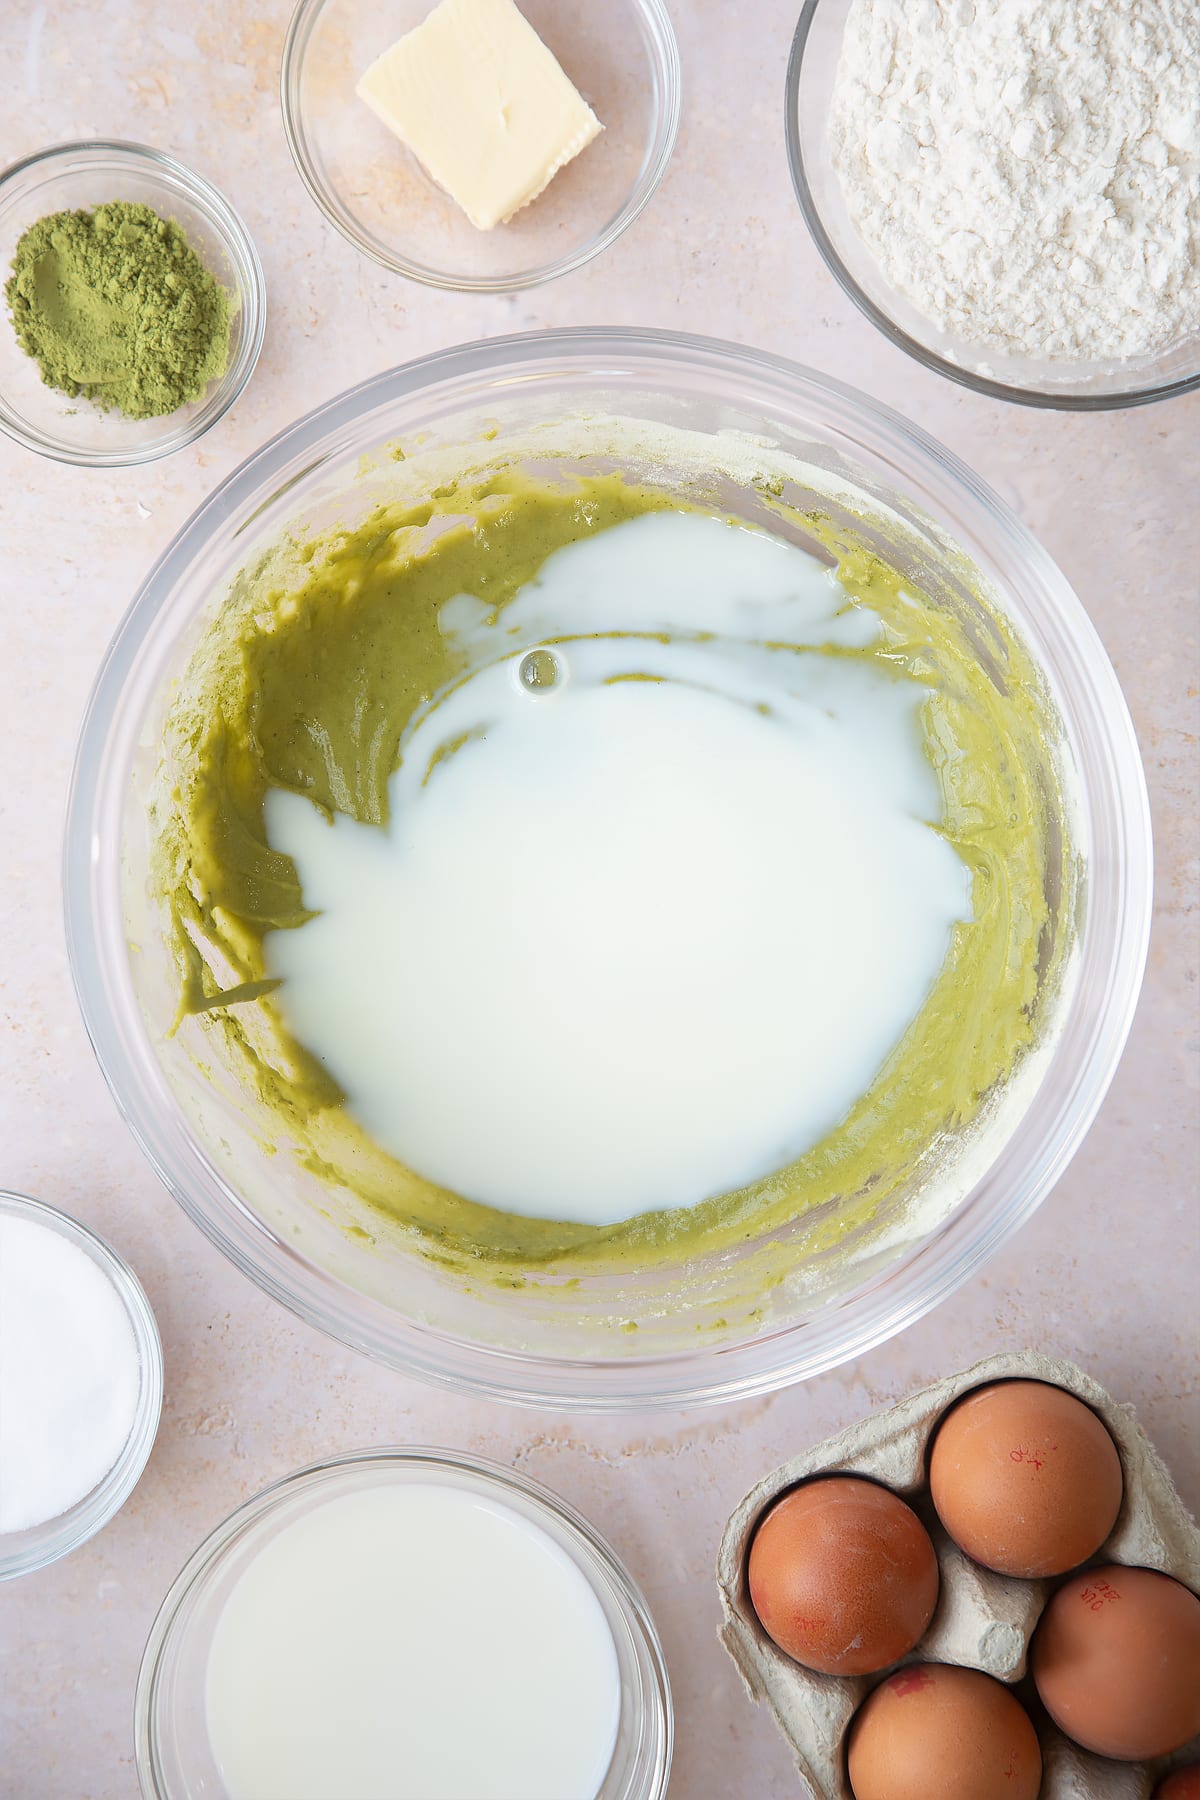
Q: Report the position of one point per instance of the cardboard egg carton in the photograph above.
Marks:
(982, 1620)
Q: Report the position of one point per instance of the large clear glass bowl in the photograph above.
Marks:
(708, 1329)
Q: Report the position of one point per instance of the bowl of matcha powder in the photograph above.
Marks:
(133, 304)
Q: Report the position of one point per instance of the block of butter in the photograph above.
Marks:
(483, 104)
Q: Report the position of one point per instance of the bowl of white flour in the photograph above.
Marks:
(1010, 189)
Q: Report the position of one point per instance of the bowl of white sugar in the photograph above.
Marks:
(1010, 191)
(81, 1379)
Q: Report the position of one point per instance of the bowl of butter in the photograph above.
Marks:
(483, 145)
(606, 869)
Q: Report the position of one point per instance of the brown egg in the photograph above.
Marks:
(843, 1576)
(1116, 1660)
(936, 1733)
(1025, 1478)
(1181, 1784)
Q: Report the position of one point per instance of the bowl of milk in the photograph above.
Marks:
(410, 1622)
(607, 869)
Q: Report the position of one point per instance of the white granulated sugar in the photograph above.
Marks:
(1027, 172)
(70, 1374)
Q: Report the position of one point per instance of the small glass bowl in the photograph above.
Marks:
(172, 1750)
(23, 1551)
(74, 177)
(1067, 386)
(622, 57)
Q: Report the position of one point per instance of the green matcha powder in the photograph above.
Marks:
(116, 306)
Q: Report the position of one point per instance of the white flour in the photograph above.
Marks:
(1027, 172)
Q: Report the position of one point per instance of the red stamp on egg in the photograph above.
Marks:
(911, 1681)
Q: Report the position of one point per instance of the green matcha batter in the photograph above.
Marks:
(309, 684)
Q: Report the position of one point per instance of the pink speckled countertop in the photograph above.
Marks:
(1108, 1274)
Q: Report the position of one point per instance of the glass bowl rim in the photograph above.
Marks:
(1140, 395)
(920, 1277)
(252, 295)
(67, 1531)
(208, 1554)
(669, 113)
